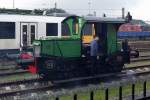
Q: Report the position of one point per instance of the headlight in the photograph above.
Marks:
(37, 50)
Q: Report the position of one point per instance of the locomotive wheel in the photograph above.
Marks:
(57, 69)
(115, 63)
(137, 54)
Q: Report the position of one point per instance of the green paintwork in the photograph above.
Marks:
(81, 22)
(71, 47)
(69, 22)
(119, 46)
(111, 39)
(61, 48)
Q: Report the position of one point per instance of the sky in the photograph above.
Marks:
(139, 9)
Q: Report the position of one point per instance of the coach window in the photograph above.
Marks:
(51, 29)
(32, 33)
(7, 30)
(65, 30)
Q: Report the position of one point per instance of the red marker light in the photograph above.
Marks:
(32, 69)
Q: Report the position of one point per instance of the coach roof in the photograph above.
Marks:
(30, 18)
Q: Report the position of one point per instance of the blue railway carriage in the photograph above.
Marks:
(134, 35)
(136, 29)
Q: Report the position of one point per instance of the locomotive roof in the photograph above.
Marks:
(61, 14)
(104, 19)
(30, 18)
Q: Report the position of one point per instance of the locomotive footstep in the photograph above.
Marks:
(22, 86)
(8, 88)
(146, 69)
(34, 94)
(130, 72)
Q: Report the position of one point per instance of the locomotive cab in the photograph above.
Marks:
(106, 29)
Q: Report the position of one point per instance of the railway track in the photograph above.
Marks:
(40, 85)
(66, 83)
(137, 67)
(12, 72)
(5, 71)
(36, 84)
(141, 58)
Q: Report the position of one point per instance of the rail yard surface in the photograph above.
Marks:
(73, 57)
(17, 83)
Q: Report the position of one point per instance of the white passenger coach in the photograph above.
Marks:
(17, 31)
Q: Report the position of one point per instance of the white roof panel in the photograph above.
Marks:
(30, 18)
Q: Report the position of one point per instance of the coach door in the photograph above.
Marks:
(28, 33)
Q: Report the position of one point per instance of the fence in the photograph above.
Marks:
(101, 91)
(120, 95)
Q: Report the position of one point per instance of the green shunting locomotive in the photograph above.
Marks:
(68, 56)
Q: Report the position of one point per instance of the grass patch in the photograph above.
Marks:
(8, 67)
(67, 97)
(99, 95)
(17, 77)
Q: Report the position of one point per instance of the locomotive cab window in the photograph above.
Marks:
(65, 30)
(88, 30)
(51, 29)
(7, 30)
(75, 26)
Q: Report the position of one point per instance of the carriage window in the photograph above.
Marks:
(32, 28)
(65, 30)
(32, 33)
(51, 29)
(87, 30)
(7, 30)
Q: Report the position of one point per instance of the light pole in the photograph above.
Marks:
(123, 13)
(13, 4)
(89, 6)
